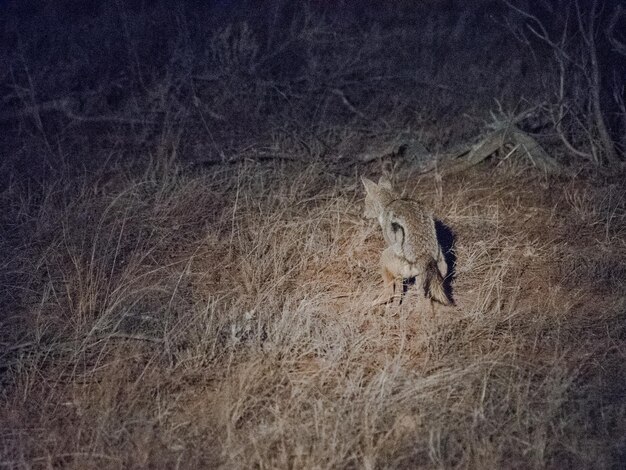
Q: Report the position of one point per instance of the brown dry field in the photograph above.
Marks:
(224, 320)
(186, 277)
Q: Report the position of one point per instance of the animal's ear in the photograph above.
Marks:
(385, 182)
(370, 186)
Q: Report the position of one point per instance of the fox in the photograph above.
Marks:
(413, 250)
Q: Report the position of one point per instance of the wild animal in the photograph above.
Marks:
(413, 250)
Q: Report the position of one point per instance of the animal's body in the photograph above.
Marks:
(412, 247)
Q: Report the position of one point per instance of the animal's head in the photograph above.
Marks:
(377, 196)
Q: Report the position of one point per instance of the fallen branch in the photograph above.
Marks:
(53, 105)
(66, 106)
(495, 141)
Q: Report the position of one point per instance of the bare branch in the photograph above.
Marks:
(596, 83)
(618, 46)
(542, 33)
(346, 102)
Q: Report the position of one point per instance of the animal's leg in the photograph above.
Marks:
(391, 280)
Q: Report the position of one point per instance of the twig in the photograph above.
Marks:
(65, 105)
(346, 102)
(136, 337)
(618, 45)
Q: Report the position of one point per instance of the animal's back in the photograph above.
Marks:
(419, 238)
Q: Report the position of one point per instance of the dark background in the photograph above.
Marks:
(83, 82)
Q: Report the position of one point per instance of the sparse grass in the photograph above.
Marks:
(226, 320)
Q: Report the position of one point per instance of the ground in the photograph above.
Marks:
(229, 322)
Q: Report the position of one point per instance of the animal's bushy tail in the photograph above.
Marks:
(434, 284)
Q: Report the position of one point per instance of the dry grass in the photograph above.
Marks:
(180, 320)
(186, 279)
